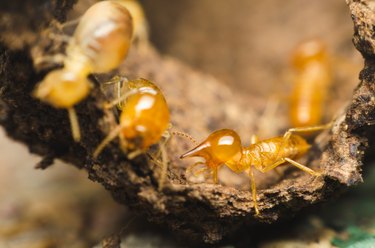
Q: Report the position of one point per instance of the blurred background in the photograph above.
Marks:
(243, 43)
(247, 43)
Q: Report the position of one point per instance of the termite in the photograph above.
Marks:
(312, 80)
(99, 44)
(144, 120)
(224, 147)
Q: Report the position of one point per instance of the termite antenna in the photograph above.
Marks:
(184, 135)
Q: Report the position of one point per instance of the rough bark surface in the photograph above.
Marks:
(198, 104)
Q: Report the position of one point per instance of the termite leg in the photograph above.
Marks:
(303, 167)
(191, 167)
(189, 170)
(135, 153)
(302, 130)
(253, 190)
(254, 139)
(200, 171)
(272, 166)
(214, 175)
(120, 105)
(306, 129)
(164, 159)
(74, 124)
(111, 136)
(163, 164)
(164, 167)
(167, 138)
(292, 162)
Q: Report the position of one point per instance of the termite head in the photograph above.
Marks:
(62, 88)
(309, 52)
(144, 119)
(220, 147)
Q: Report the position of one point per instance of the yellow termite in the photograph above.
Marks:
(224, 147)
(312, 79)
(144, 120)
(99, 44)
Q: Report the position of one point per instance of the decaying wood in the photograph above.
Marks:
(198, 104)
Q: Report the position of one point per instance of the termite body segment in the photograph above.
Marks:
(99, 44)
(140, 25)
(144, 120)
(312, 79)
(223, 147)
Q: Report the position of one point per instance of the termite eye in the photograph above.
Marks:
(63, 89)
(225, 145)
